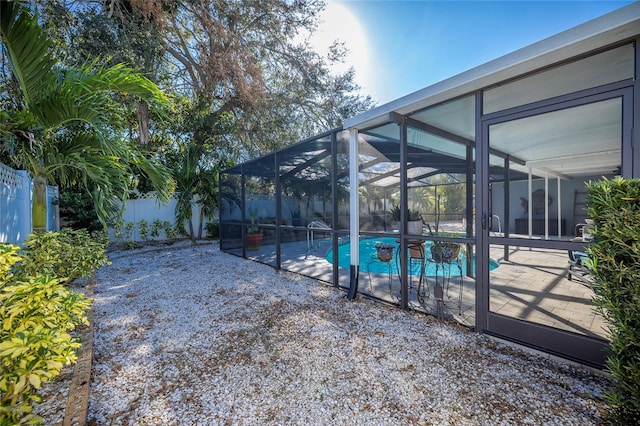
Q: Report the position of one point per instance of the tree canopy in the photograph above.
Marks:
(250, 59)
(64, 123)
(241, 75)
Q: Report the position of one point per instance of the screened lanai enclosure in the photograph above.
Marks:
(465, 200)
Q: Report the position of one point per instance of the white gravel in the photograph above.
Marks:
(192, 336)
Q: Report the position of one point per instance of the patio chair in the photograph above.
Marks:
(315, 226)
(577, 269)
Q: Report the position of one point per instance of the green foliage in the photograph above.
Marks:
(213, 230)
(143, 229)
(77, 210)
(68, 254)
(129, 228)
(170, 231)
(156, 226)
(65, 124)
(36, 313)
(412, 215)
(253, 215)
(614, 205)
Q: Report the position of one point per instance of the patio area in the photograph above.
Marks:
(532, 285)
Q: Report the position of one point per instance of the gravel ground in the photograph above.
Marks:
(191, 336)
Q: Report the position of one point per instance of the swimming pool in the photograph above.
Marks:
(369, 261)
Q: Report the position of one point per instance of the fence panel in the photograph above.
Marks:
(15, 205)
(53, 209)
(147, 208)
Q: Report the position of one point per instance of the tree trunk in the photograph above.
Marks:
(200, 225)
(39, 208)
(191, 233)
(143, 121)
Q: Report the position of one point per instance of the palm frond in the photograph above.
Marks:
(97, 81)
(159, 176)
(27, 50)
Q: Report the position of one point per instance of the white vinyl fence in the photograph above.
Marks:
(149, 210)
(16, 196)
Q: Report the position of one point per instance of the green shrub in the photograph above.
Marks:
(36, 313)
(213, 230)
(156, 226)
(68, 254)
(143, 229)
(129, 228)
(77, 210)
(170, 231)
(614, 205)
(117, 229)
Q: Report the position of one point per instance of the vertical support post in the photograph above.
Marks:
(404, 206)
(278, 200)
(334, 206)
(507, 197)
(469, 205)
(559, 204)
(482, 208)
(243, 205)
(354, 213)
(469, 192)
(530, 204)
(546, 206)
(631, 169)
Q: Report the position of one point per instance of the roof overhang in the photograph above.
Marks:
(620, 25)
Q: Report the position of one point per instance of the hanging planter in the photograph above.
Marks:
(385, 251)
(444, 252)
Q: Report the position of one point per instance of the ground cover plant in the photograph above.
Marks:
(37, 313)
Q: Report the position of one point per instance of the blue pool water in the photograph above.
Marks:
(369, 261)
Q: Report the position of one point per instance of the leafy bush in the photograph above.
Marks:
(67, 255)
(156, 226)
(78, 211)
(129, 228)
(143, 229)
(213, 230)
(170, 231)
(36, 313)
(614, 205)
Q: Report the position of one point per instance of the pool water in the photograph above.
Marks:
(369, 261)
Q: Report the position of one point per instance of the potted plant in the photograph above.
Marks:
(253, 238)
(443, 251)
(385, 251)
(414, 220)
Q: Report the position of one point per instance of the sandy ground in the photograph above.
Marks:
(188, 335)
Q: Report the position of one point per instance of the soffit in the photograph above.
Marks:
(609, 29)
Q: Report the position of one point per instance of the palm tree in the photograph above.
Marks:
(208, 195)
(194, 175)
(65, 124)
(185, 172)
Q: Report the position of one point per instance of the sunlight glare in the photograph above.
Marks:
(338, 23)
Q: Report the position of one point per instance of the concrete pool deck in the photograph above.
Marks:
(531, 286)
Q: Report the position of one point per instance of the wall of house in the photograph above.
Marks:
(520, 190)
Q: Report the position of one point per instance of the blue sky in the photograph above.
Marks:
(398, 47)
